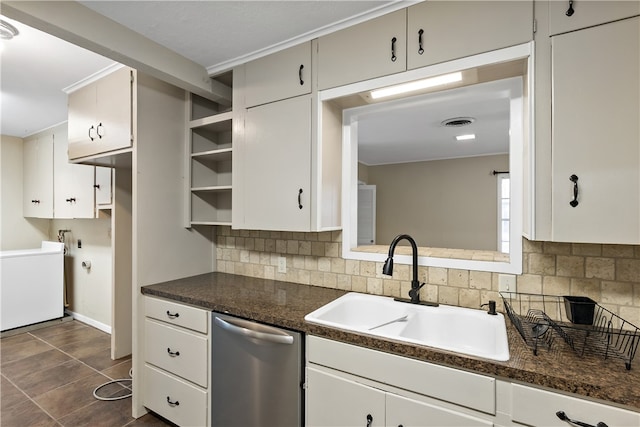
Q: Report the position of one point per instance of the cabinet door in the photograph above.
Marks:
(596, 74)
(587, 13)
(73, 184)
(455, 29)
(103, 185)
(339, 402)
(401, 411)
(82, 120)
(114, 110)
(363, 52)
(278, 76)
(37, 171)
(276, 167)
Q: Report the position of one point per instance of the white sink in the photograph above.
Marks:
(457, 329)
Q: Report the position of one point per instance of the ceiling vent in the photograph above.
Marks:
(7, 31)
(457, 122)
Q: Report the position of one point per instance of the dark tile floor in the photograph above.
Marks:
(48, 377)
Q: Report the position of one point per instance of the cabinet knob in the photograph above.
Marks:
(420, 49)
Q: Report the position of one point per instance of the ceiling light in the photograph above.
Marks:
(417, 85)
(7, 31)
(467, 137)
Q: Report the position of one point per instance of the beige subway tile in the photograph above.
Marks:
(586, 287)
(317, 278)
(586, 249)
(427, 293)
(330, 280)
(317, 248)
(631, 315)
(530, 246)
(352, 267)
(448, 295)
(265, 258)
(304, 247)
(332, 249)
(281, 246)
(245, 233)
(618, 251)
(544, 264)
(223, 231)
(254, 257)
(628, 270)
(259, 244)
(525, 262)
(529, 284)
(304, 277)
(292, 247)
(324, 236)
(264, 234)
(458, 278)
(480, 279)
(269, 245)
(437, 276)
(554, 285)
(469, 298)
(374, 286)
(359, 284)
(600, 268)
(619, 293)
(298, 261)
(274, 258)
(344, 282)
(368, 268)
(570, 266)
(557, 248)
(402, 272)
(269, 272)
(324, 264)
(230, 242)
(636, 295)
(235, 255)
(244, 256)
(391, 288)
(338, 265)
(312, 237)
(286, 235)
(310, 263)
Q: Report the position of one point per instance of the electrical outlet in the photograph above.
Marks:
(282, 264)
(507, 283)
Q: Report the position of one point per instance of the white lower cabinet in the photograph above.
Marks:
(177, 362)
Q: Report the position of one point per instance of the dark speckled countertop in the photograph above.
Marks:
(285, 304)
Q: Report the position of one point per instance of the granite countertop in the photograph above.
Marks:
(285, 304)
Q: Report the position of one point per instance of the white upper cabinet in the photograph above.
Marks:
(439, 31)
(372, 49)
(100, 115)
(37, 181)
(275, 167)
(565, 16)
(596, 134)
(74, 192)
(282, 75)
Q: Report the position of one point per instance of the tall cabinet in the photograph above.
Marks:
(38, 176)
(595, 134)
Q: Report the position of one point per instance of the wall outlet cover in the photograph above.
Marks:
(282, 264)
(507, 283)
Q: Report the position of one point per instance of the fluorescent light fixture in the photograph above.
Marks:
(467, 137)
(417, 85)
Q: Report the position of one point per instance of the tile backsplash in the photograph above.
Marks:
(609, 274)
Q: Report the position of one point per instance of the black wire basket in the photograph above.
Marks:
(584, 325)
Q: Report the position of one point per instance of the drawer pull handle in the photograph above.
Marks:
(173, 353)
(90, 129)
(393, 49)
(369, 420)
(420, 48)
(71, 200)
(174, 403)
(570, 11)
(564, 417)
(300, 74)
(100, 135)
(172, 316)
(574, 179)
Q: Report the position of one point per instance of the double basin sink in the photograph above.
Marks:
(457, 329)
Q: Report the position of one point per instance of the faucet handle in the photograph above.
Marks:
(414, 292)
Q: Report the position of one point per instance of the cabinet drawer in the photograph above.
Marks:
(588, 13)
(177, 314)
(189, 407)
(178, 351)
(452, 385)
(537, 407)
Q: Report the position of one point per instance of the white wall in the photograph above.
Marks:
(16, 232)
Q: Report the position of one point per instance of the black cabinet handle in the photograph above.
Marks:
(369, 420)
(420, 49)
(100, 135)
(564, 417)
(71, 200)
(172, 315)
(570, 11)
(172, 353)
(90, 129)
(173, 403)
(300, 198)
(36, 201)
(393, 49)
(300, 74)
(574, 179)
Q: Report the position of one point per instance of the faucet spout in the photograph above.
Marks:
(387, 268)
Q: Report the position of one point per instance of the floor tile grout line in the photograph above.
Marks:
(31, 399)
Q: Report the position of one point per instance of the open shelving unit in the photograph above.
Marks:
(210, 160)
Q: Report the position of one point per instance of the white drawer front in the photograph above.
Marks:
(535, 407)
(177, 314)
(174, 399)
(178, 351)
(452, 385)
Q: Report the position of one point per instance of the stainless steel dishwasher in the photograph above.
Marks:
(256, 374)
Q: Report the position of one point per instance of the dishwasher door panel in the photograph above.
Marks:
(256, 375)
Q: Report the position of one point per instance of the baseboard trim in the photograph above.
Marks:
(89, 321)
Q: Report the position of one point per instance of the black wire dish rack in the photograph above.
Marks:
(584, 325)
